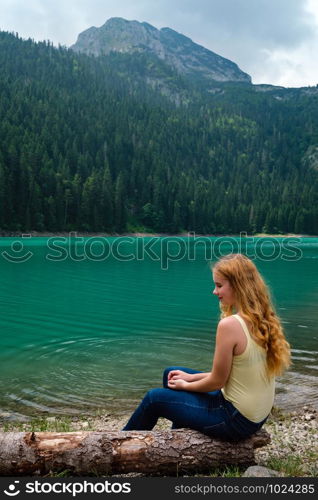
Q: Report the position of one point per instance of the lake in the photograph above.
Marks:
(89, 324)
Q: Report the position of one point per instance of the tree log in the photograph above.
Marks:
(120, 452)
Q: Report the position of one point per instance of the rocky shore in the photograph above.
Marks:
(293, 450)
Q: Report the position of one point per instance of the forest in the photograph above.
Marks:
(122, 143)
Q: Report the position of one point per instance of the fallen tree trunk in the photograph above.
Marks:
(114, 452)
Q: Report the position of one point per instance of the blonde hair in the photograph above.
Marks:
(254, 303)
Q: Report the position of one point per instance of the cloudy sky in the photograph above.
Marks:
(275, 41)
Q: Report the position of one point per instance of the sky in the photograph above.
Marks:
(274, 41)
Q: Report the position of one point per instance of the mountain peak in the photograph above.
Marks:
(177, 50)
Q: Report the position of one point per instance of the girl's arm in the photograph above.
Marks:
(199, 376)
(188, 377)
(226, 339)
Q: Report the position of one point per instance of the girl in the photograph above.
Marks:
(233, 400)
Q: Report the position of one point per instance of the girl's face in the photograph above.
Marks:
(223, 290)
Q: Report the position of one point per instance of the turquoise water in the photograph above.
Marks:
(89, 324)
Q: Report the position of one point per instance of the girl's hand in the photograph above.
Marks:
(179, 374)
(178, 384)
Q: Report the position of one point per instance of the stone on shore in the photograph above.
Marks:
(259, 471)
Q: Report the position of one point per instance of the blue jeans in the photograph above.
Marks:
(207, 412)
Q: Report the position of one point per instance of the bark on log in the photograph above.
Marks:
(107, 453)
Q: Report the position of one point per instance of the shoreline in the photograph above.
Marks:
(290, 453)
(81, 234)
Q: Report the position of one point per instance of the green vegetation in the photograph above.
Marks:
(121, 141)
(289, 466)
(228, 471)
(41, 424)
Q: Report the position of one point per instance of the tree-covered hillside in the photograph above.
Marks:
(121, 142)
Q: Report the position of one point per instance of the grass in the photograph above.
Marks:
(63, 473)
(227, 471)
(41, 424)
(289, 466)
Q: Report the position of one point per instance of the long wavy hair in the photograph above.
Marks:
(253, 300)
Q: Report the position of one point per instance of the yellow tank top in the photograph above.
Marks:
(248, 387)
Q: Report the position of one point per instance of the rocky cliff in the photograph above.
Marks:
(178, 51)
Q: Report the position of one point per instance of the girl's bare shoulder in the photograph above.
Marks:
(229, 322)
(230, 331)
